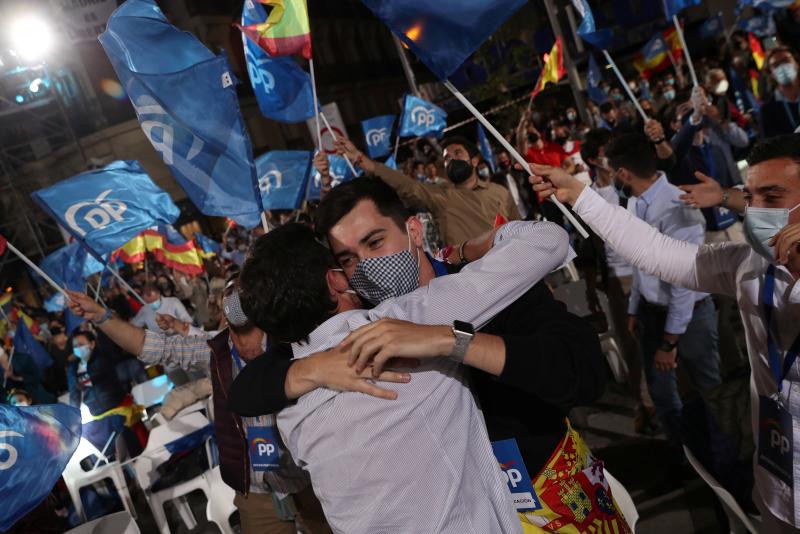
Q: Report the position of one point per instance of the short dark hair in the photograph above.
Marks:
(342, 199)
(605, 107)
(283, 286)
(782, 146)
(595, 140)
(459, 140)
(85, 333)
(150, 287)
(635, 152)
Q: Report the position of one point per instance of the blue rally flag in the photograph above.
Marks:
(283, 177)
(390, 162)
(36, 442)
(593, 80)
(282, 88)
(174, 237)
(421, 118)
(486, 149)
(587, 31)
(762, 4)
(340, 172)
(761, 25)
(208, 245)
(673, 7)
(443, 33)
(378, 135)
(185, 99)
(70, 265)
(106, 208)
(712, 27)
(25, 343)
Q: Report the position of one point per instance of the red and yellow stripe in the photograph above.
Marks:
(553, 69)
(185, 258)
(758, 52)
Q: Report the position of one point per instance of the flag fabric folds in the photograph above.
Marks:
(378, 135)
(762, 25)
(654, 56)
(757, 50)
(421, 118)
(105, 208)
(673, 7)
(390, 162)
(37, 442)
(443, 33)
(340, 172)
(587, 31)
(593, 79)
(186, 102)
(70, 265)
(283, 178)
(283, 89)
(182, 257)
(486, 149)
(553, 69)
(25, 343)
(284, 32)
(6, 301)
(208, 247)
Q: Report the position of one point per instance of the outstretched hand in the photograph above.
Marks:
(84, 306)
(548, 181)
(706, 194)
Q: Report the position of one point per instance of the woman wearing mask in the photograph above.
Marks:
(782, 115)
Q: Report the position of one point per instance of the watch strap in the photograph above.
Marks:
(106, 316)
(463, 334)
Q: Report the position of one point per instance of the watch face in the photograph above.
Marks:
(462, 326)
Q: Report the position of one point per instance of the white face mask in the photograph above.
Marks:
(721, 88)
(761, 225)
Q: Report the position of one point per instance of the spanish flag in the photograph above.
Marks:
(553, 69)
(758, 52)
(184, 257)
(5, 301)
(285, 31)
(655, 55)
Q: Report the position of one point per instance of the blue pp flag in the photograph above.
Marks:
(443, 33)
(282, 88)
(762, 4)
(174, 237)
(106, 208)
(185, 99)
(378, 135)
(761, 25)
(421, 118)
(70, 265)
(587, 30)
(390, 162)
(208, 245)
(712, 27)
(486, 149)
(36, 442)
(25, 343)
(340, 172)
(593, 80)
(673, 7)
(283, 178)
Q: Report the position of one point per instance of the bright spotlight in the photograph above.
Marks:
(31, 37)
(20, 99)
(35, 84)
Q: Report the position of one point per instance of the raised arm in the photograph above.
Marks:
(129, 337)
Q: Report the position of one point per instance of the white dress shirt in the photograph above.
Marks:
(660, 207)
(618, 266)
(423, 462)
(732, 269)
(146, 317)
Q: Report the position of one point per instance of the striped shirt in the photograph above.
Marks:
(423, 462)
(193, 351)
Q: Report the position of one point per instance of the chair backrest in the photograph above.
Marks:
(117, 523)
(728, 501)
(623, 500)
(154, 454)
(85, 449)
(152, 392)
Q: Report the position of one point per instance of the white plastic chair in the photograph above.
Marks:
(144, 466)
(623, 500)
(118, 523)
(220, 507)
(738, 520)
(76, 478)
(152, 392)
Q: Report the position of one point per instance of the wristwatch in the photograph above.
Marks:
(106, 316)
(667, 346)
(726, 195)
(463, 332)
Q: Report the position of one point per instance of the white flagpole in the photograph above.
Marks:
(10, 359)
(685, 49)
(502, 140)
(36, 268)
(396, 147)
(122, 281)
(5, 317)
(264, 221)
(316, 102)
(333, 134)
(624, 84)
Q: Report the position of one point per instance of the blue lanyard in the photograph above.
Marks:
(439, 268)
(789, 114)
(768, 304)
(708, 159)
(235, 354)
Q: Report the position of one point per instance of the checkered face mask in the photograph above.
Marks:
(378, 279)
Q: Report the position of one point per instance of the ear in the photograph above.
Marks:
(337, 282)
(475, 160)
(415, 230)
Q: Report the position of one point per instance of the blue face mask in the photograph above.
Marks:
(156, 305)
(785, 73)
(761, 225)
(669, 95)
(83, 352)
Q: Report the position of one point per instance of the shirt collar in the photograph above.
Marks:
(320, 338)
(650, 195)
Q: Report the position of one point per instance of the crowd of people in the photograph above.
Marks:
(391, 335)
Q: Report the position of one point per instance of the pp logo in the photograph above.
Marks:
(9, 462)
(514, 477)
(263, 447)
(422, 116)
(376, 136)
(271, 179)
(778, 441)
(259, 75)
(163, 143)
(102, 213)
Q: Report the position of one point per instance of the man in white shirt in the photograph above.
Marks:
(156, 304)
(762, 275)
